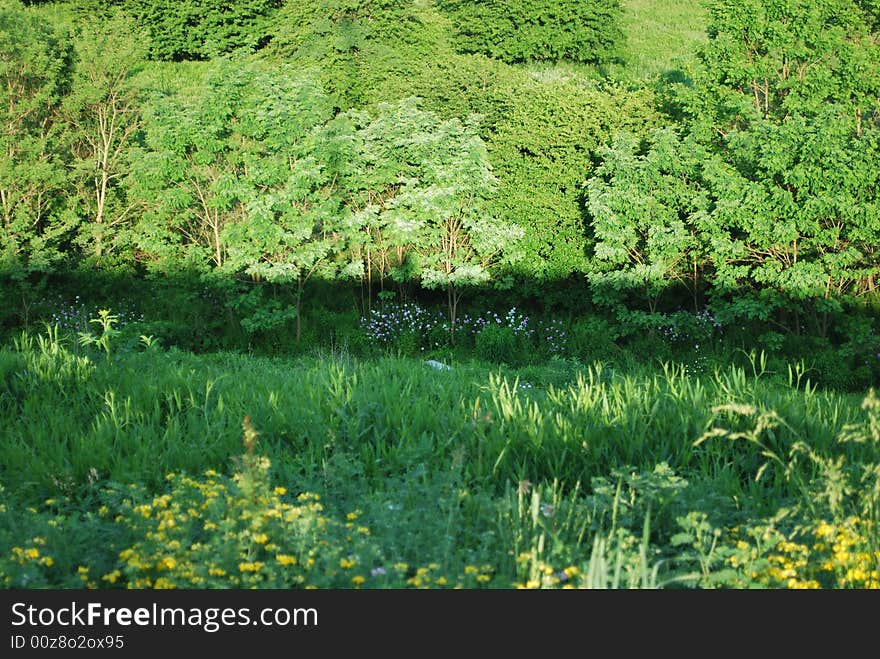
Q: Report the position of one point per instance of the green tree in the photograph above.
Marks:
(35, 71)
(289, 230)
(647, 212)
(240, 180)
(787, 97)
(420, 204)
(188, 175)
(783, 114)
(541, 149)
(103, 114)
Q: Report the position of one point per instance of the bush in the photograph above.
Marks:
(499, 343)
(195, 29)
(538, 30)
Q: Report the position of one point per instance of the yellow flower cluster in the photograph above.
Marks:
(31, 555)
(238, 532)
(25, 566)
(836, 556)
(542, 575)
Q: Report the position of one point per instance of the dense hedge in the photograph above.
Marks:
(537, 30)
(192, 29)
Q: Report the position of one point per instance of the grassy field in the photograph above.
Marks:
(124, 464)
(227, 470)
(661, 35)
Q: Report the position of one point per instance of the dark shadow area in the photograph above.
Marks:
(525, 321)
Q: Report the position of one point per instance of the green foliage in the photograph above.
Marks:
(500, 344)
(108, 334)
(227, 154)
(645, 221)
(103, 115)
(795, 207)
(871, 9)
(546, 30)
(367, 51)
(35, 73)
(418, 202)
(193, 29)
(770, 188)
(541, 150)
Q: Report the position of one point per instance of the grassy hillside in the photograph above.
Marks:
(661, 34)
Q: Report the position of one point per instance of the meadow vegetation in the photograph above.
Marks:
(380, 294)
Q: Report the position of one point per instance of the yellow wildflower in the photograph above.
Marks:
(167, 563)
(112, 576)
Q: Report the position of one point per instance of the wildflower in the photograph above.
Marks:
(357, 580)
(167, 563)
(112, 577)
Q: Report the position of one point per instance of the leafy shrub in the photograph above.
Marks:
(367, 51)
(498, 343)
(538, 30)
(195, 29)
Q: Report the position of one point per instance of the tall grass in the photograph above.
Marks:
(577, 467)
(661, 35)
(66, 416)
